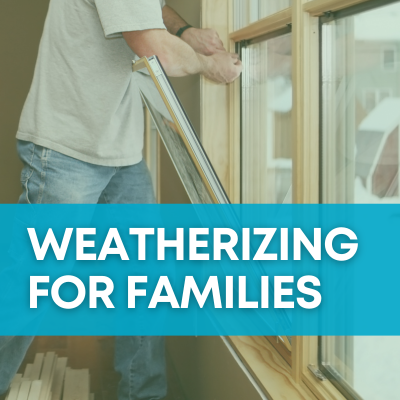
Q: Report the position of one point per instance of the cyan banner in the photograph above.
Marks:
(199, 270)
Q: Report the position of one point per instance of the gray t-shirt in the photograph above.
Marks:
(83, 101)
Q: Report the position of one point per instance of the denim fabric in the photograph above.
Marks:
(12, 352)
(143, 371)
(49, 177)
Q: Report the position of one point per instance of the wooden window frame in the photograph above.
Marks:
(278, 376)
(318, 8)
(263, 26)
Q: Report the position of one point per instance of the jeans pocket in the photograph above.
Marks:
(26, 152)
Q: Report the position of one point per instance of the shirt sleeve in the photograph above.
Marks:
(117, 16)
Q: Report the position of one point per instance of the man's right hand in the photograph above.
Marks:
(221, 67)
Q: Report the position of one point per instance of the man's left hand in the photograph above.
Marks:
(203, 41)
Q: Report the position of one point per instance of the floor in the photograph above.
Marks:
(95, 353)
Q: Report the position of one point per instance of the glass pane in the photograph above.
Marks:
(177, 133)
(249, 11)
(150, 151)
(266, 121)
(364, 366)
(361, 105)
(360, 164)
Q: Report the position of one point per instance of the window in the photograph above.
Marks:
(363, 367)
(344, 148)
(360, 164)
(249, 11)
(177, 133)
(360, 157)
(266, 121)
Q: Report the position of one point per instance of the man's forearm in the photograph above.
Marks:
(177, 57)
(203, 41)
(172, 20)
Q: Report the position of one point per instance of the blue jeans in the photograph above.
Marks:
(49, 177)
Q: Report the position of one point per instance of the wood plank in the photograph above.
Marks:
(36, 388)
(322, 390)
(279, 343)
(263, 26)
(305, 113)
(37, 366)
(28, 371)
(17, 378)
(21, 380)
(53, 371)
(47, 374)
(76, 385)
(14, 389)
(305, 125)
(24, 390)
(58, 381)
(93, 352)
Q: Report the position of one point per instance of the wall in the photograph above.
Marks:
(188, 91)
(188, 88)
(208, 371)
(21, 24)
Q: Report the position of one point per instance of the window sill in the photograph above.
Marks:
(269, 369)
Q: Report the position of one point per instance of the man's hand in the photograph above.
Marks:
(203, 41)
(221, 67)
(199, 51)
(179, 59)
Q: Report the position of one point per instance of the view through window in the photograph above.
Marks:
(360, 164)
(248, 11)
(266, 121)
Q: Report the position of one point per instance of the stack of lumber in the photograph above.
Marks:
(49, 378)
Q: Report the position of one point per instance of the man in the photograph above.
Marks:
(81, 131)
